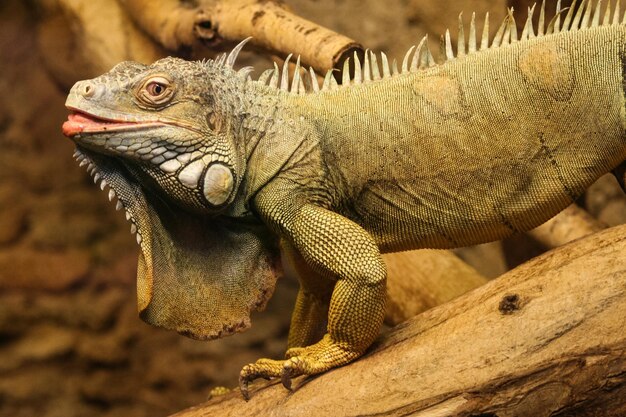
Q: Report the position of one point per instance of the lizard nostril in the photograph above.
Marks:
(88, 90)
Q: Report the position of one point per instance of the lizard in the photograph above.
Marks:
(222, 176)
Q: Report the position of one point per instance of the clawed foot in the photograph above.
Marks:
(309, 360)
(218, 391)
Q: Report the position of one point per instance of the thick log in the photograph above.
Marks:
(570, 224)
(221, 23)
(546, 339)
(171, 23)
(94, 35)
(80, 39)
(422, 279)
(606, 201)
(277, 30)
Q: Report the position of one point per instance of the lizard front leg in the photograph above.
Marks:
(335, 248)
(309, 317)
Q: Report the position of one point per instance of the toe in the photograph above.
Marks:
(263, 368)
(295, 351)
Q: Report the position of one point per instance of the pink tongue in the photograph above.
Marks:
(78, 122)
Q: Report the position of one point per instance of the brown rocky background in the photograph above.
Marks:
(71, 343)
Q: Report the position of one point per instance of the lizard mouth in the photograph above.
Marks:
(80, 122)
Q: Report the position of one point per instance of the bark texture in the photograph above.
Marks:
(172, 23)
(81, 39)
(276, 29)
(94, 35)
(545, 339)
(570, 224)
(423, 279)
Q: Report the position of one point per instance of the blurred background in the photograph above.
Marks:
(71, 343)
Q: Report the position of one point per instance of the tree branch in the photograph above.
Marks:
(220, 23)
(81, 39)
(170, 22)
(547, 338)
(570, 224)
(94, 35)
(276, 29)
(423, 279)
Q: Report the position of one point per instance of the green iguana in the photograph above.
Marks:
(215, 169)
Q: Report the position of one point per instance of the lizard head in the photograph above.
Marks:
(161, 137)
(163, 123)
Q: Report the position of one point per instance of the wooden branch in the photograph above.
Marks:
(423, 279)
(221, 23)
(80, 39)
(170, 22)
(277, 30)
(545, 339)
(94, 35)
(570, 224)
(606, 201)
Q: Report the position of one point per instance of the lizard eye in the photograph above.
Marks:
(156, 91)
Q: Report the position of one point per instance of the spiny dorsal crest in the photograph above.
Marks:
(420, 57)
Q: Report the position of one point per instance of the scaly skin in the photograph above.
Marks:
(215, 169)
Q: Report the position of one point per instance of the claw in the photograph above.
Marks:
(269, 368)
(285, 377)
(243, 386)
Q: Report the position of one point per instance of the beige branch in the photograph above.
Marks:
(545, 338)
(80, 39)
(170, 22)
(276, 29)
(570, 224)
(422, 279)
(220, 23)
(94, 35)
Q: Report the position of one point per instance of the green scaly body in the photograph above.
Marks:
(214, 170)
(478, 148)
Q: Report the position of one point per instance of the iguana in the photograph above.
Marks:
(219, 173)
